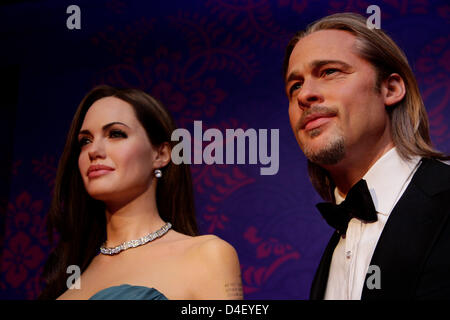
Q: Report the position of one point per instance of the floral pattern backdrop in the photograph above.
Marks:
(218, 61)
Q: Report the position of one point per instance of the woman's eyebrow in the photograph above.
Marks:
(105, 127)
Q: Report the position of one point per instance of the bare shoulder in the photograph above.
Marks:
(214, 269)
(212, 246)
(205, 245)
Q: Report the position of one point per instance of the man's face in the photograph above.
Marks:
(334, 109)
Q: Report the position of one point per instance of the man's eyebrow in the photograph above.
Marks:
(104, 128)
(320, 63)
(293, 75)
(315, 65)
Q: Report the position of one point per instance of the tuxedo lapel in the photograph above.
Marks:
(321, 277)
(410, 232)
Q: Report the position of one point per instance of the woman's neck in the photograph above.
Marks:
(132, 219)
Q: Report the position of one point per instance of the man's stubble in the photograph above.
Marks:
(331, 153)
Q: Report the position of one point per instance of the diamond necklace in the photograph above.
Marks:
(136, 243)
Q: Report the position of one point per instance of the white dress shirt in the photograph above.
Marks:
(387, 179)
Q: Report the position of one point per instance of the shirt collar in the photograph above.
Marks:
(386, 179)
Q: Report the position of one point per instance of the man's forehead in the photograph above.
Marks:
(323, 45)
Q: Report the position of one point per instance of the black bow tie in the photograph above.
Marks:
(358, 204)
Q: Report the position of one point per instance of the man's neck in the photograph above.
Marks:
(353, 168)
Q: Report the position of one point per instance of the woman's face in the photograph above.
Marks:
(117, 159)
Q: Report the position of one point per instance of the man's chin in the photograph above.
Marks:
(325, 153)
(316, 138)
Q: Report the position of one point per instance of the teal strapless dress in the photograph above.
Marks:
(128, 292)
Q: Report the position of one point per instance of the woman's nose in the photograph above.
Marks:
(96, 150)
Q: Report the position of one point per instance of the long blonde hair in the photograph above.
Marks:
(409, 120)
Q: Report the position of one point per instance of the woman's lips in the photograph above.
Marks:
(98, 173)
(317, 122)
(97, 170)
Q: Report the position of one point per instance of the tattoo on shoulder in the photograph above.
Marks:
(234, 290)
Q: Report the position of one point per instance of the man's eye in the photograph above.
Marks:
(327, 72)
(294, 87)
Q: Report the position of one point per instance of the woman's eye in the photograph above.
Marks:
(117, 134)
(83, 141)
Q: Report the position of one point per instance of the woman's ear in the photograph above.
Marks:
(393, 90)
(163, 155)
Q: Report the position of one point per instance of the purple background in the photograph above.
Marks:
(215, 61)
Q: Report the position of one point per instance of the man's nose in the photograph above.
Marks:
(310, 94)
(96, 150)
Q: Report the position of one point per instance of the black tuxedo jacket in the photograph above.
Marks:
(413, 251)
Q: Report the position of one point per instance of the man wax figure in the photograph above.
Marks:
(357, 114)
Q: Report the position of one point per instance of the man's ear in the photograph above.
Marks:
(163, 155)
(393, 90)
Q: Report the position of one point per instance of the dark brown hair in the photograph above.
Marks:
(409, 120)
(80, 220)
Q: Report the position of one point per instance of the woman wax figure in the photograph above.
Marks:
(124, 213)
